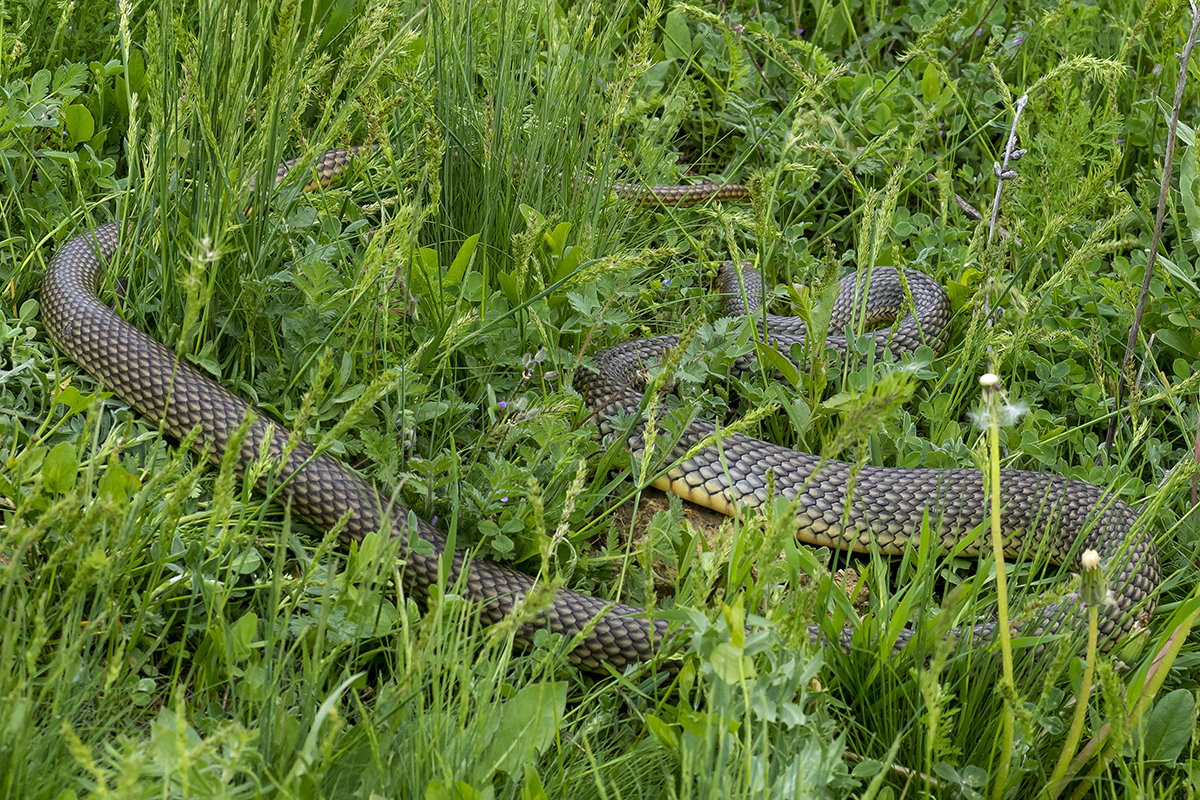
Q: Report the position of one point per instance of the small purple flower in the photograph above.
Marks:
(434, 520)
(502, 404)
(1018, 40)
(504, 499)
(979, 31)
(798, 32)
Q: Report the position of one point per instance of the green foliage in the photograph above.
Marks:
(166, 630)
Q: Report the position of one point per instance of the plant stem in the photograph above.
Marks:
(992, 406)
(1022, 101)
(1056, 784)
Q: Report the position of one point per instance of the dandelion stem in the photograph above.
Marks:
(1056, 784)
(991, 403)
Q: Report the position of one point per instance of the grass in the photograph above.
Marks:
(166, 631)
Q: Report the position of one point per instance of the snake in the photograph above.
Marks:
(839, 505)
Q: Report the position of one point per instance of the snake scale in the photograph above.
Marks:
(885, 506)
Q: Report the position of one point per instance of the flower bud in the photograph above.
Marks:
(1094, 587)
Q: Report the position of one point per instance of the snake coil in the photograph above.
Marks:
(886, 506)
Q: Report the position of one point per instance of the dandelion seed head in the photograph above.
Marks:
(1011, 413)
(1090, 559)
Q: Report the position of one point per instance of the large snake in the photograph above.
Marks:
(885, 506)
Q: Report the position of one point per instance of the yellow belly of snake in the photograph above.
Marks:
(885, 506)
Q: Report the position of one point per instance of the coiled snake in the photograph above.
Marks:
(886, 505)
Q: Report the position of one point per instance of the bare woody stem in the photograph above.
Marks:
(1163, 194)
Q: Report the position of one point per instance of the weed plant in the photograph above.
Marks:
(167, 631)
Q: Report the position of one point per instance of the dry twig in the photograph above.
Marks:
(1152, 257)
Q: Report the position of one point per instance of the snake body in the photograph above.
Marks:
(885, 506)
(864, 508)
(332, 163)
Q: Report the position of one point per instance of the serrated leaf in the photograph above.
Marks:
(39, 85)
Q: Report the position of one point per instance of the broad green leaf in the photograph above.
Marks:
(772, 358)
(79, 124)
(666, 734)
(61, 468)
(241, 634)
(556, 239)
(74, 400)
(459, 790)
(508, 283)
(1171, 267)
(1189, 189)
(135, 73)
(1169, 726)
(1182, 129)
(532, 788)
(426, 264)
(462, 260)
(729, 664)
(568, 263)
(931, 85)
(118, 483)
(527, 724)
(677, 39)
